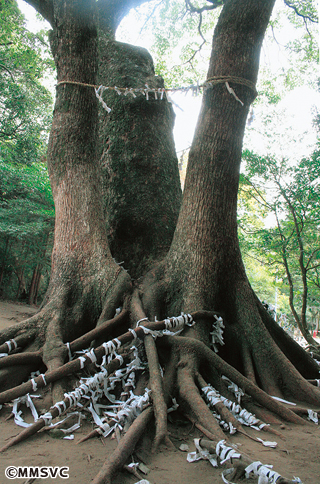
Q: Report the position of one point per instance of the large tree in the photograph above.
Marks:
(201, 273)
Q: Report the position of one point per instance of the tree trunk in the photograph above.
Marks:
(204, 268)
(83, 274)
(36, 275)
(206, 235)
(137, 155)
(21, 291)
(3, 265)
(34, 285)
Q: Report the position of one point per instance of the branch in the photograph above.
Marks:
(111, 12)
(193, 9)
(265, 203)
(310, 259)
(290, 4)
(151, 14)
(12, 133)
(45, 8)
(268, 264)
(6, 69)
(313, 267)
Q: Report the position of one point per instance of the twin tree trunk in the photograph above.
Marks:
(117, 199)
(122, 192)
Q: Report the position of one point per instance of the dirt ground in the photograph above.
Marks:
(298, 455)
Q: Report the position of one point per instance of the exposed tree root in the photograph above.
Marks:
(125, 448)
(222, 409)
(210, 358)
(19, 342)
(316, 383)
(55, 411)
(22, 359)
(160, 407)
(187, 363)
(240, 462)
(192, 398)
(116, 325)
(78, 364)
(127, 444)
(64, 318)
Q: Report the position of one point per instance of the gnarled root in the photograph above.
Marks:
(240, 462)
(124, 449)
(43, 337)
(192, 373)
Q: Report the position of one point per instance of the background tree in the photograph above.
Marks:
(202, 272)
(25, 105)
(26, 230)
(26, 210)
(292, 245)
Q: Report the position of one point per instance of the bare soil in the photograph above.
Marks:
(298, 455)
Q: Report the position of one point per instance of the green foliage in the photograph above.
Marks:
(26, 225)
(26, 203)
(177, 46)
(25, 105)
(182, 43)
(289, 249)
(291, 50)
(261, 266)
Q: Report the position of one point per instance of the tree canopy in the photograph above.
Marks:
(25, 104)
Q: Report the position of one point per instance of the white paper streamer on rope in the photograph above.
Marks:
(159, 93)
(69, 351)
(217, 333)
(99, 93)
(94, 388)
(268, 443)
(173, 326)
(12, 345)
(174, 406)
(283, 401)
(231, 91)
(201, 453)
(110, 348)
(178, 323)
(227, 472)
(86, 385)
(241, 414)
(226, 453)
(27, 401)
(238, 392)
(313, 416)
(223, 452)
(264, 473)
(259, 469)
(125, 414)
(33, 382)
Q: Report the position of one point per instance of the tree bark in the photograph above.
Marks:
(83, 273)
(204, 269)
(206, 234)
(138, 159)
(34, 285)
